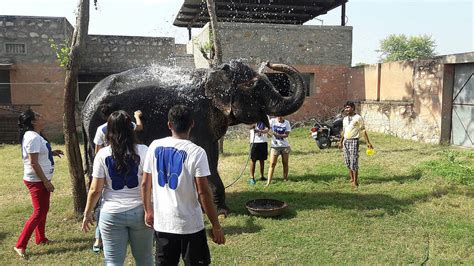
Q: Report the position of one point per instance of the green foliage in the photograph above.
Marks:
(62, 51)
(401, 47)
(452, 166)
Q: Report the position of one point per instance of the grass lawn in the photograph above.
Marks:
(415, 204)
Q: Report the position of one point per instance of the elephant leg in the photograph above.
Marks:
(215, 181)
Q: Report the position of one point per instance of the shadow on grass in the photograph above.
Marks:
(415, 176)
(249, 227)
(66, 245)
(3, 235)
(300, 201)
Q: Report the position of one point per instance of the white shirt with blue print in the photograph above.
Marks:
(174, 164)
(34, 143)
(279, 128)
(121, 191)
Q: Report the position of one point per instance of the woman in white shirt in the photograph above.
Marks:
(117, 173)
(38, 165)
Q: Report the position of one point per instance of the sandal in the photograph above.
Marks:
(21, 252)
(96, 249)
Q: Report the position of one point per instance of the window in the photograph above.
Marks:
(15, 48)
(308, 79)
(5, 93)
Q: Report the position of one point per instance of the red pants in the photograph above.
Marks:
(37, 222)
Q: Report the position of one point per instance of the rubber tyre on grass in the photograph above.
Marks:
(323, 142)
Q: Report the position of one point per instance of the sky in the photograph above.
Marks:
(449, 22)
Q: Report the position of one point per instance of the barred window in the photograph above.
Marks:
(15, 48)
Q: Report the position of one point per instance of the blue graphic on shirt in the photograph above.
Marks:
(50, 153)
(169, 165)
(260, 126)
(104, 130)
(120, 179)
(279, 130)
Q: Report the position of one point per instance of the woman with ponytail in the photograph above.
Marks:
(117, 173)
(38, 170)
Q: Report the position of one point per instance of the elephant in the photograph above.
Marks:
(220, 97)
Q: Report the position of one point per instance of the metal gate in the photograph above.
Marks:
(462, 130)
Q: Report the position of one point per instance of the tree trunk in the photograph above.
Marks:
(211, 8)
(216, 40)
(73, 152)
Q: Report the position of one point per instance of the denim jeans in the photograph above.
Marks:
(118, 229)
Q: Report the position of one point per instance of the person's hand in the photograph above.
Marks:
(137, 113)
(149, 219)
(217, 235)
(87, 222)
(58, 153)
(49, 186)
(369, 145)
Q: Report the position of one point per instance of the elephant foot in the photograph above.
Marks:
(223, 210)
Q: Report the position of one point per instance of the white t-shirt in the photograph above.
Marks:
(279, 128)
(174, 164)
(353, 125)
(34, 143)
(259, 137)
(100, 137)
(120, 193)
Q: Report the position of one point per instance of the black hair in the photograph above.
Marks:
(25, 123)
(350, 103)
(122, 140)
(181, 118)
(106, 109)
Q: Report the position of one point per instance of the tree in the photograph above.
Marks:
(401, 47)
(78, 45)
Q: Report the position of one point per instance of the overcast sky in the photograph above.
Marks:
(449, 22)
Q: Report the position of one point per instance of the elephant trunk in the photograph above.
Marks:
(275, 103)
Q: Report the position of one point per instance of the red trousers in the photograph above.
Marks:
(37, 221)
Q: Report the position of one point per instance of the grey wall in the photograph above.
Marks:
(35, 32)
(107, 54)
(290, 44)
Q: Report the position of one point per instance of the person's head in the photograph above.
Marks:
(180, 119)
(349, 107)
(121, 138)
(106, 109)
(30, 121)
(281, 119)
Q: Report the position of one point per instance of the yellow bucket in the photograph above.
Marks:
(370, 151)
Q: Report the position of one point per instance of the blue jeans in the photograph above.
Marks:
(118, 229)
(97, 218)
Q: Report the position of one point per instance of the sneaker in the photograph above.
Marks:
(263, 178)
(252, 181)
(96, 249)
(21, 252)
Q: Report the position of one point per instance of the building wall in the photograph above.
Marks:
(112, 54)
(411, 96)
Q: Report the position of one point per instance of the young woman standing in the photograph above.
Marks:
(38, 165)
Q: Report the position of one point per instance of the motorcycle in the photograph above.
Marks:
(324, 133)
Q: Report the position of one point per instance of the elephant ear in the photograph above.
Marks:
(218, 87)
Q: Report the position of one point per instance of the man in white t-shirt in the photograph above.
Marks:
(353, 125)
(176, 170)
(258, 149)
(280, 130)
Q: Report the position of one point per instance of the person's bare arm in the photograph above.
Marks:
(33, 158)
(146, 187)
(92, 198)
(366, 136)
(138, 119)
(205, 197)
(97, 148)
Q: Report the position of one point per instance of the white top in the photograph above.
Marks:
(352, 126)
(34, 143)
(259, 137)
(100, 137)
(174, 165)
(120, 193)
(279, 128)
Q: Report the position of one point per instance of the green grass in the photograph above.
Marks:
(415, 203)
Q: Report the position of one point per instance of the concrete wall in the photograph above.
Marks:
(410, 98)
(112, 54)
(35, 33)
